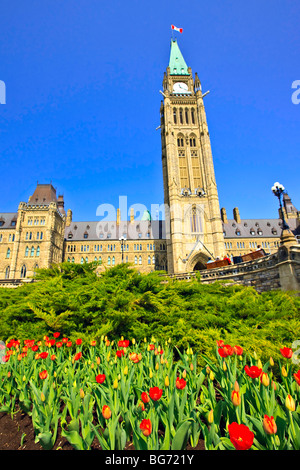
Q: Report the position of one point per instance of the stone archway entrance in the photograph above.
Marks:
(198, 262)
(199, 266)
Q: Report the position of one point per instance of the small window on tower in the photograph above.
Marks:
(175, 116)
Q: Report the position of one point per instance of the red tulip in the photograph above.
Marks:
(123, 343)
(59, 344)
(238, 350)
(56, 335)
(240, 436)
(146, 427)
(100, 378)
(220, 343)
(78, 341)
(225, 350)
(43, 355)
(155, 393)
(180, 383)
(297, 377)
(77, 356)
(254, 372)
(120, 353)
(286, 352)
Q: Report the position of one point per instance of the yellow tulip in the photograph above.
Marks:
(212, 375)
(98, 360)
(81, 393)
(157, 366)
(211, 417)
(115, 384)
(150, 373)
(271, 362)
(283, 371)
(224, 366)
(43, 398)
(290, 403)
(192, 367)
(125, 371)
(167, 381)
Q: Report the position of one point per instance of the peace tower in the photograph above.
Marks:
(194, 229)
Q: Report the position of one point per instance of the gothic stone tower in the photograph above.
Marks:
(193, 221)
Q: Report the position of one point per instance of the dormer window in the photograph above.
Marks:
(70, 235)
(85, 235)
(252, 231)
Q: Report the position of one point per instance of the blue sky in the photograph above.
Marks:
(82, 98)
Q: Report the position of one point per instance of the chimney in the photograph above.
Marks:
(69, 218)
(132, 215)
(236, 215)
(224, 215)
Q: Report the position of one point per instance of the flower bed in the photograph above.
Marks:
(123, 393)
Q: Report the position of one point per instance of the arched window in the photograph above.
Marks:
(23, 271)
(86, 259)
(180, 141)
(68, 259)
(140, 259)
(38, 251)
(153, 259)
(8, 253)
(195, 220)
(135, 260)
(113, 260)
(108, 261)
(149, 259)
(7, 271)
(26, 251)
(100, 259)
(82, 260)
(73, 259)
(32, 251)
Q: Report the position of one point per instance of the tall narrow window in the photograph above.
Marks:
(26, 251)
(23, 271)
(113, 260)
(186, 115)
(135, 260)
(175, 116)
(140, 259)
(108, 261)
(193, 115)
(8, 253)
(180, 116)
(32, 251)
(38, 251)
(7, 271)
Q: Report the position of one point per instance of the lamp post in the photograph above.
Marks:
(122, 240)
(278, 190)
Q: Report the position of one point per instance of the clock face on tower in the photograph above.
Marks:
(180, 87)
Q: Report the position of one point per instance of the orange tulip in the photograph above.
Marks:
(43, 375)
(269, 425)
(235, 398)
(264, 378)
(106, 412)
(146, 427)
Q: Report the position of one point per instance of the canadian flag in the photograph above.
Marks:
(176, 29)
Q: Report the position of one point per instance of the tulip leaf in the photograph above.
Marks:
(181, 436)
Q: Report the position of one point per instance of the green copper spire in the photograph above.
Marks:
(177, 63)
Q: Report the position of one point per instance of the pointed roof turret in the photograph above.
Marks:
(177, 63)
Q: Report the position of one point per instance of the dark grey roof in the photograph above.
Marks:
(138, 230)
(267, 227)
(6, 218)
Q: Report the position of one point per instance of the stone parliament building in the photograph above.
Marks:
(42, 233)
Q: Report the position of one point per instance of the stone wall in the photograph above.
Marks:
(277, 271)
